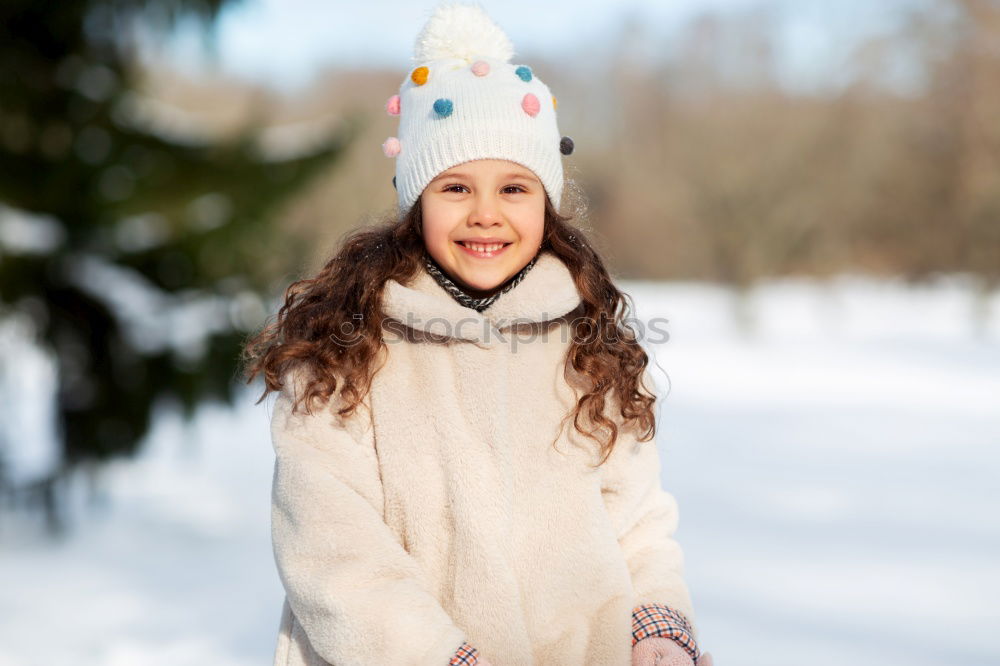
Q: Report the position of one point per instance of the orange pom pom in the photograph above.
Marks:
(554, 103)
(419, 75)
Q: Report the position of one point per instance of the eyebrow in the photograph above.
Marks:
(512, 174)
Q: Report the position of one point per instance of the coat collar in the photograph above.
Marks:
(547, 292)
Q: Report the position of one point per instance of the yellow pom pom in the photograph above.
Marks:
(419, 75)
(554, 103)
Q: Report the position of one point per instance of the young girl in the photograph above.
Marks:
(465, 468)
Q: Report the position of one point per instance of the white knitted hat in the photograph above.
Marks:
(464, 100)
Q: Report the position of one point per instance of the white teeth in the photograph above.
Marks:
(479, 247)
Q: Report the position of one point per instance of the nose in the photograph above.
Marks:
(485, 212)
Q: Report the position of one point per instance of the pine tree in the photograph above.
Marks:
(122, 206)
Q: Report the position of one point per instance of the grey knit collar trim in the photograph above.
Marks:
(477, 304)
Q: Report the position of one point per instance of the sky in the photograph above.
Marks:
(286, 42)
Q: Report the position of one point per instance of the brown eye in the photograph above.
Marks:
(451, 188)
(517, 187)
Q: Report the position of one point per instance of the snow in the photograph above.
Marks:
(836, 473)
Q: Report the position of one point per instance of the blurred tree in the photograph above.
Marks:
(964, 90)
(728, 171)
(131, 228)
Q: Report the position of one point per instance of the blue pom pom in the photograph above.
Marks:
(443, 107)
(524, 72)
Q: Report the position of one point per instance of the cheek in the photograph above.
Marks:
(435, 235)
(436, 226)
(530, 228)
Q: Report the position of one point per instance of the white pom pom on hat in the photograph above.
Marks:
(464, 100)
(461, 31)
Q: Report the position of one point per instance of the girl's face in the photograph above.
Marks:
(483, 222)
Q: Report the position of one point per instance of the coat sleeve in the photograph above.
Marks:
(355, 591)
(645, 518)
(465, 655)
(659, 620)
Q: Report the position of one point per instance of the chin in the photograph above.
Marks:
(480, 286)
(483, 277)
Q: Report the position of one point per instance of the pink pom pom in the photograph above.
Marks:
(531, 105)
(391, 147)
(480, 68)
(392, 106)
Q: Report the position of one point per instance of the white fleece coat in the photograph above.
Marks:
(440, 511)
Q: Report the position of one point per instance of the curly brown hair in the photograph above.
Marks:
(304, 333)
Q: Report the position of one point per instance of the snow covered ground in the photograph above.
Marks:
(837, 475)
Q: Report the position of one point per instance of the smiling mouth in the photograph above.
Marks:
(483, 249)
